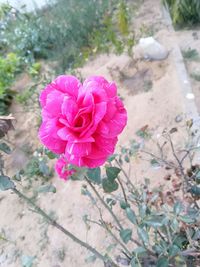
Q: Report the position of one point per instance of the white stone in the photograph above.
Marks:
(190, 96)
(148, 48)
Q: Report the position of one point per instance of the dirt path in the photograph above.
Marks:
(152, 96)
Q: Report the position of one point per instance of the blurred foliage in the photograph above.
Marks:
(184, 12)
(9, 66)
(190, 54)
(37, 172)
(123, 19)
(67, 31)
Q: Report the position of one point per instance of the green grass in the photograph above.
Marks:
(190, 54)
(184, 12)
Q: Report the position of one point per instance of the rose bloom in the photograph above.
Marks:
(81, 122)
(61, 168)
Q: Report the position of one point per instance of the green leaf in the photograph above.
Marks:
(155, 163)
(109, 186)
(197, 178)
(173, 250)
(44, 168)
(131, 215)
(157, 248)
(187, 219)
(5, 148)
(112, 173)
(195, 190)
(178, 207)
(112, 157)
(91, 259)
(6, 183)
(110, 248)
(142, 210)
(50, 154)
(180, 240)
(134, 263)
(125, 235)
(139, 250)
(162, 262)
(180, 261)
(94, 175)
(127, 159)
(143, 132)
(111, 202)
(124, 204)
(174, 225)
(143, 235)
(46, 189)
(154, 221)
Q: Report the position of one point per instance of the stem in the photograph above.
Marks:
(62, 229)
(161, 160)
(123, 190)
(125, 174)
(105, 226)
(179, 165)
(116, 239)
(104, 204)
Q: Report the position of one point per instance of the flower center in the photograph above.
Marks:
(79, 122)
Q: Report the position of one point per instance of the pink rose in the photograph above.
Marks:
(61, 168)
(81, 121)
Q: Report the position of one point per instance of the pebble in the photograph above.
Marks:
(178, 118)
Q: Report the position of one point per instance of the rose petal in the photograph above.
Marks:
(99, 112)
(78, 149)
(93, 163)
(67, 84)
(69, 109)
(53, 103)
(48, 136)
(44, 94)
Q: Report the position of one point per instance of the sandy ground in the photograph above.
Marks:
(155, 104)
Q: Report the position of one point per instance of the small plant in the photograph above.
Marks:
(122, 16)
(9, 66)
(184, 12)
(196, 76)
(41, 35)
(190, 54)
(34, 69)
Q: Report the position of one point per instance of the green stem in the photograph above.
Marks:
(63, 230)
(116, 239)
(123, 190)
(125, 174)
(104, 204)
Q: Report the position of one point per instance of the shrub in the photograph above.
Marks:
(9, 66)
(184, 12)
(64, 31)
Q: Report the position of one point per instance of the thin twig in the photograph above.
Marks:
(104, 225)
(171, 165)
(104, 204)
(116, 239)
(62, 229)
(123, 190)
(125, 174)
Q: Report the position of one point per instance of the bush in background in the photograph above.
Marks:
(184, 12)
